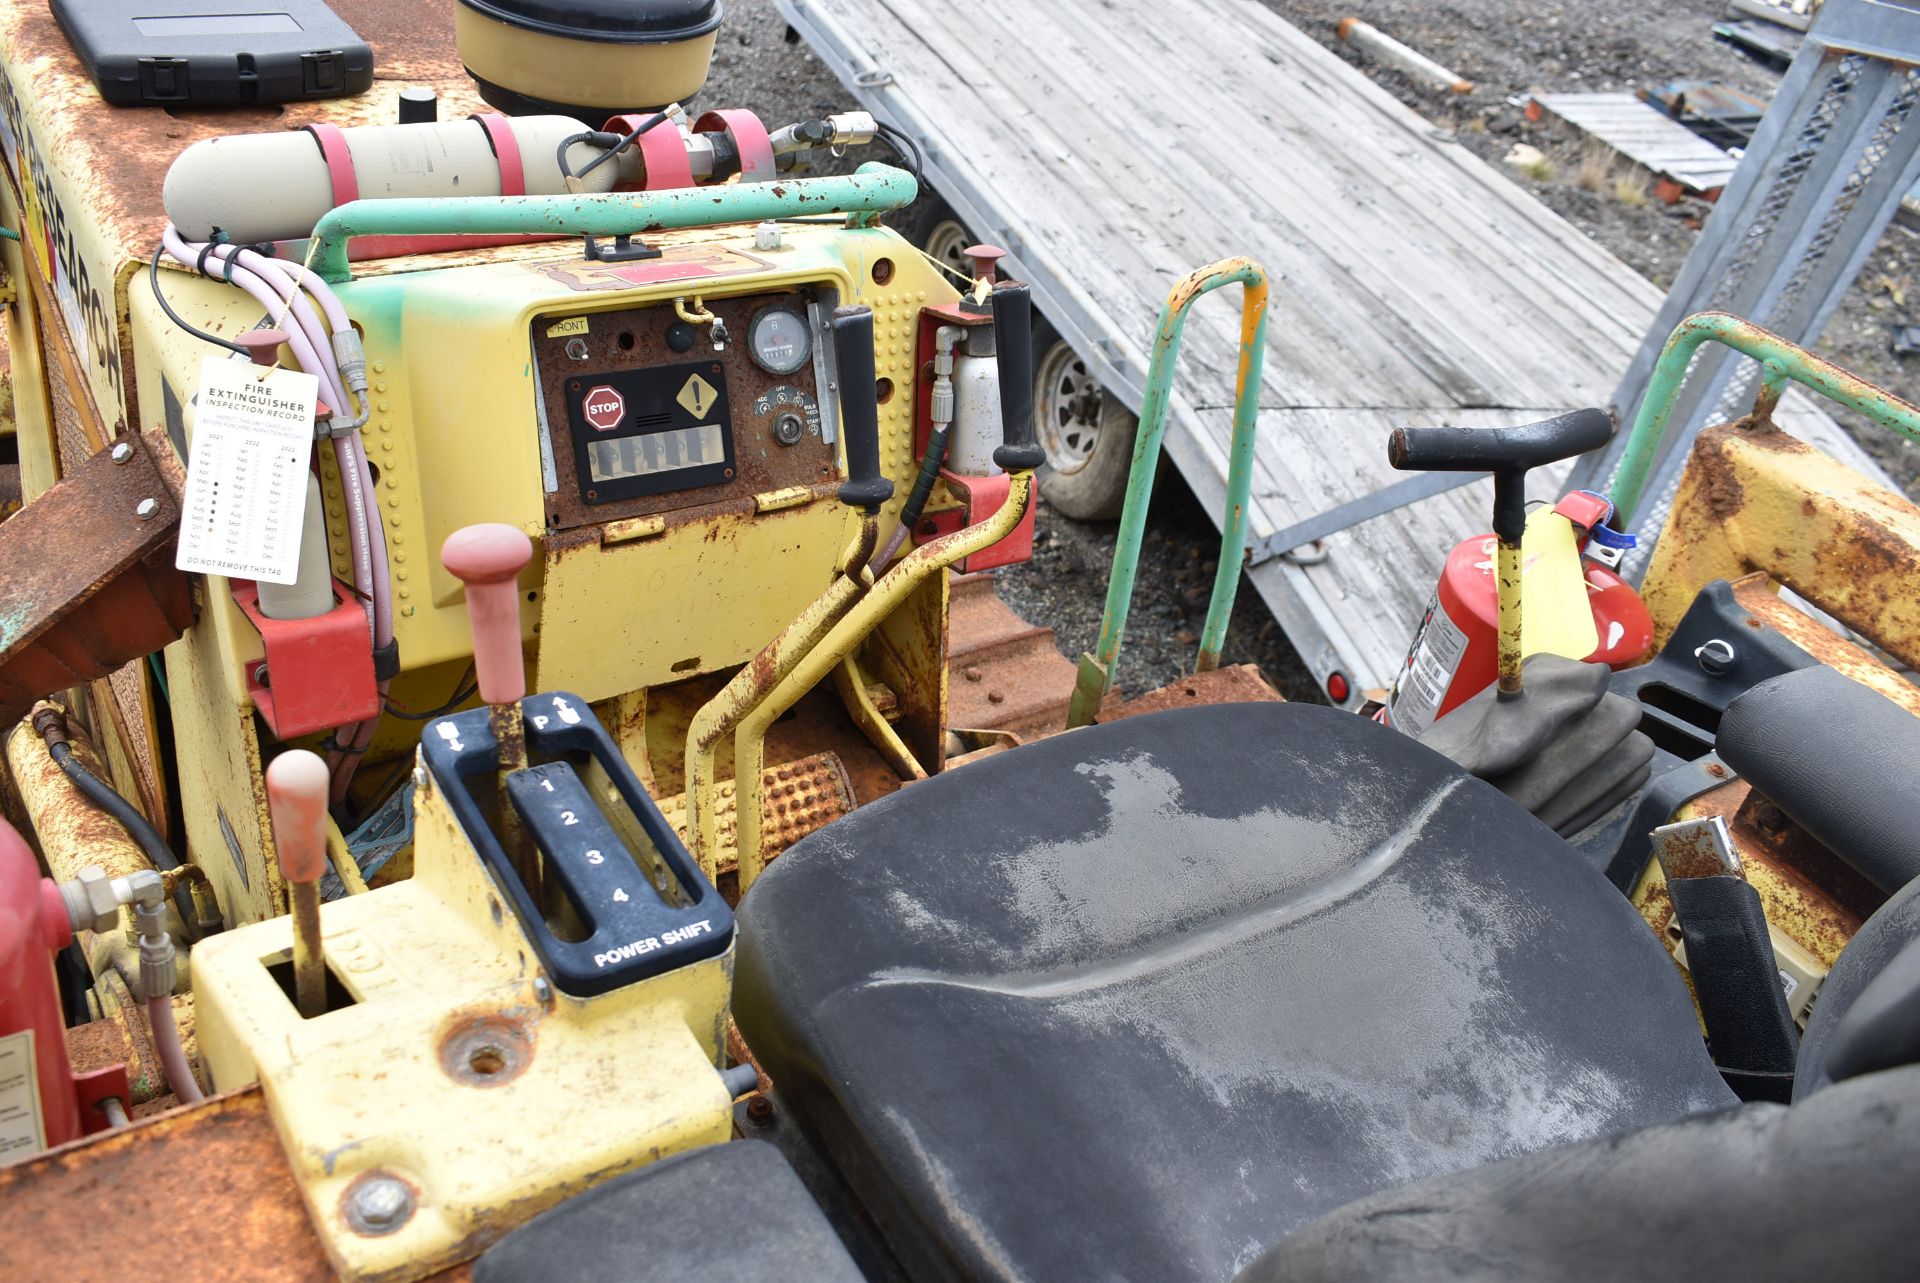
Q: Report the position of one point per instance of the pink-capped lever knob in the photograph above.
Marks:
(262, 345)
(297, 786)
(985, 260)
(297, 797)
(488, 558)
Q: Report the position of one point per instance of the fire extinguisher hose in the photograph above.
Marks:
(173, 1056)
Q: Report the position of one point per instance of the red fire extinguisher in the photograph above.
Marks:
(42, 1104)
(1455, 650)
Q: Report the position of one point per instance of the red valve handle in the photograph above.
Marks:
(297, 784)
(488, 558)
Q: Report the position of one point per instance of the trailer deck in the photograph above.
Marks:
(1113, 145)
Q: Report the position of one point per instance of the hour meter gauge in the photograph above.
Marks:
(779, 340)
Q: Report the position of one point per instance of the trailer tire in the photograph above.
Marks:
(1088, 434)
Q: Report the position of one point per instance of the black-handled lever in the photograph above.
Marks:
(864, 487)
(1505, 452)
(1013, 358)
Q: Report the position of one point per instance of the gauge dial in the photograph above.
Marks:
(779, 340)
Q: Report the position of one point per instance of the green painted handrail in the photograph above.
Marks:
(1096, 670)
(873, 189)
(1780, 361)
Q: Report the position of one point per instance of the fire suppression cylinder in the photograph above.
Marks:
(275, 186)
(38, 1104)
(1455, 651)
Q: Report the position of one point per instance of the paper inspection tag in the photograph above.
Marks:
(246, 472)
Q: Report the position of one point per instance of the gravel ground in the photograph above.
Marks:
(1506, 47)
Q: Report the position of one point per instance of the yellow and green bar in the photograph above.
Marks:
(1096, 670)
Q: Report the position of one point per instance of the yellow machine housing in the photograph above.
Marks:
(470, 368)
(448, 1061)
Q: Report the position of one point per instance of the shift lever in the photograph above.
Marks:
(488, 559)
(297, 783)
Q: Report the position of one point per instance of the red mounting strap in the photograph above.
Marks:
(749, 139)
(333, 146)
(506, 150)
(661, 151)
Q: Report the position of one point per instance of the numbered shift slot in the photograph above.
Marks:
(580, 847)
(641, 904)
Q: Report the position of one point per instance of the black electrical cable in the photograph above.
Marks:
(463, 691)
(611, 145)
(158, 853)
(153, 278)
(658, 117)
(903, 146)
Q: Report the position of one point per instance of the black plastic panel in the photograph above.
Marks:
(632, 931)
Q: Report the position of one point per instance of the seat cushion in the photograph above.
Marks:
(1136, 1001)
(731, 1213)
(1758, 1194)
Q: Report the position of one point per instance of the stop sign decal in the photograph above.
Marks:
(604, 408)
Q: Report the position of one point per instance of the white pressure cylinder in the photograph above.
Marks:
(975, 433)
(275, 186)
(311, 593)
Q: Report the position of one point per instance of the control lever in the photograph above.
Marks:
(864, 488)
(488, 559)
(1013, 355)
(1507, 453)
(297, 785)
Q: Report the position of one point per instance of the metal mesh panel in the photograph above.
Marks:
(67, 432)
(1738, 393)
(127, 697)
(1841, 82)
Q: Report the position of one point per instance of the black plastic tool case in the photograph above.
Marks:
(215, 53)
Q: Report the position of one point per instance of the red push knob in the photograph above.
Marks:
(262, 345)
(297, 797)
(488, 559)
(985, 260)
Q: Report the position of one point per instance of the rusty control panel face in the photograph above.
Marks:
(643, 412)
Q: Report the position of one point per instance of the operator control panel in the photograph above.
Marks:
(683, 404)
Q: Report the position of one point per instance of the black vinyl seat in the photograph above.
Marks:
(1137, 1001)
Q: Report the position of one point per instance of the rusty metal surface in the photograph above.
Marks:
(803, 796)
(69, 829)
(208, 1188)
(88, 583)
(1753, 498)
(412, 42)
(1003, 672)
(817, 725)
(635, 339)
(129, 745)
(1235, 684)
(1689, 849)
(1757, 595)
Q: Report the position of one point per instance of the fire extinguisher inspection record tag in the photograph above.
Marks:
(246, 471)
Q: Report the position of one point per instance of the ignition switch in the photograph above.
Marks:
(788, 428)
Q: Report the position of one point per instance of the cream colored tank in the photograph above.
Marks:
(275, 186)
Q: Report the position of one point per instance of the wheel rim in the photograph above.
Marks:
(944, 244)
(1067, 409)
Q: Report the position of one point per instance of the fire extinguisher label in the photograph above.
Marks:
(1435, 657)
(22, 1131)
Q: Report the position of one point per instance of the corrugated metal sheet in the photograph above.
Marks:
(1646, 136)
